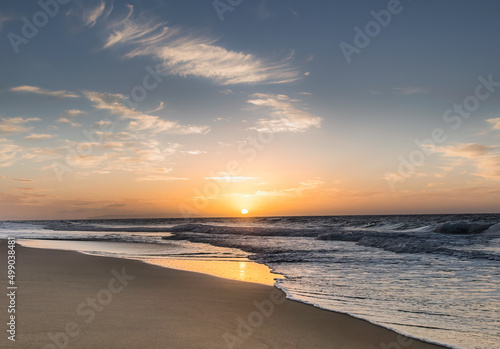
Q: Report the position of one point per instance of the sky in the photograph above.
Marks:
(161, 108)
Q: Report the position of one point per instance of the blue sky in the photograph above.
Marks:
(341, 131)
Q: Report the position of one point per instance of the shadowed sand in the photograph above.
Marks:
(98, 302)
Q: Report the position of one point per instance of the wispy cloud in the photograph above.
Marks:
(406, 91)
(39, 136)
(15, 125)
(4, 19)
(263, 11)
(133, 31)
(73, 112)
(486, 158)
(228, 178)
(195, 152)
(161, 106)
(23, 180)
(114, 103)
(467, 150)
(495, 123)
(67, 121)
(143, 122)
(8, 153)
(41, 91)
(91, 16)
(186, 54)
(301, 189)
(26, 198)
(157, 178)
(285, 117)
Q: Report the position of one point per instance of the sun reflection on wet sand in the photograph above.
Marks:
(235, 270)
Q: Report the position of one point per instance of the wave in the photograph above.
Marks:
(461, 228)
(449, 235)
(437, 241)
(493, 230)
(255, 231)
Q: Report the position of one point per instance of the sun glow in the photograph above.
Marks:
(244, 211)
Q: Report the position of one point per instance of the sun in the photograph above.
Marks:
(244, 211)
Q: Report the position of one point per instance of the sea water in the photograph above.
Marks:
(434, 277)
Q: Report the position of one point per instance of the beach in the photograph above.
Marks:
(67, 299)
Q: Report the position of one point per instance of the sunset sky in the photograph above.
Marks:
(181, 109)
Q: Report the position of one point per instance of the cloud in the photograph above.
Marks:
(26, 198)
(39, 136)
(495, 123)
(195, 152)
(139, 154)
(143, 122)
(467, 150)
(115, 205)
(14, 125)
(478, 191)
(4, 19)
(263, 11)
(406, 91)
(23, 180)
(160, 175)
(104, 123)
(114, 103)
(24, 189)
(353, 193)
(227, 178)
(186, 54)
(73, 112)
(301, 189)
(90, 17)
(9, 154)
(131, 31)
(285, 117)
(41, 91)
(66, 121)
(486, 158)
(161, 106)
(160, 178)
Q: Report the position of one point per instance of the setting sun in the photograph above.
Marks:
(244, 211)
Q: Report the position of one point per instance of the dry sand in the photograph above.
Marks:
(87, 302)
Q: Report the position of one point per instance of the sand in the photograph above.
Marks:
(70, 300)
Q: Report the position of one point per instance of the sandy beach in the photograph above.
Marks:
(71, 300)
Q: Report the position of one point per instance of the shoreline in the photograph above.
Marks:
(66, 296)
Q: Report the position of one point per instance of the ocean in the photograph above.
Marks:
(433, 277)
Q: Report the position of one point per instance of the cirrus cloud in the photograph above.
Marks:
(45, 92)
(285, 117)
(14, 125)
(186, 54)
(115, 104)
